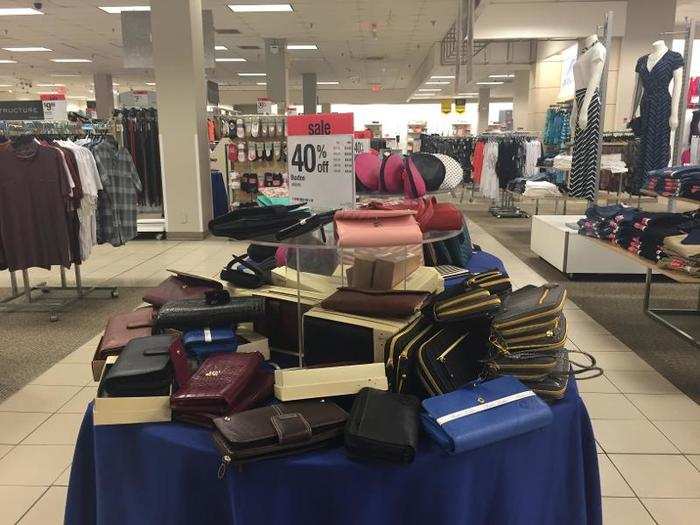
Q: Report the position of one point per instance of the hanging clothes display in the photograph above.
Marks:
(489, 186)
(140, 138)
(584, 165)
(557, 127)
(655, 110)
(459, 148)
(477, 162)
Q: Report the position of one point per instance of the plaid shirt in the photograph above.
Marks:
(116, 218)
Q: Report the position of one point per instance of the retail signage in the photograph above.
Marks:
(264, 106)
(446, 105)
(320, 160)
(460, 103)
(212, 93)
(361, 142)
(137, 99)
(55, 107)
(21, 110)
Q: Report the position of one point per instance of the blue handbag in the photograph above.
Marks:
(482, 414)
(206, 341)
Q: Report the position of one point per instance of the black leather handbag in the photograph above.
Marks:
(195, 313)
(142, 369)
(256, 221)
(259, 274)
(461, 303)
(383, 425)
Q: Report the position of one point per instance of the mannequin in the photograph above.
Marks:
(658, 109)
(588, 71)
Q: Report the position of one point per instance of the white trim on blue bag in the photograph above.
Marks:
(482, 407)
(207, 335)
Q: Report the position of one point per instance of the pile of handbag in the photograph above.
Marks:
(413, 175)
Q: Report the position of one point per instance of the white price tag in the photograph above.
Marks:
(321, 160)
(55, 107)
(361, 146)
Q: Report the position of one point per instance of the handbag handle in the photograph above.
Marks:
(382, 185)
(228, 273)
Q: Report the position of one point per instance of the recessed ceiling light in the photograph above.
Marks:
(5, 85)
(261, 83)
(229, 59)
(115, 84)
(78, 97)
(116, 9)
(509, 75)
(301, 47)
(19, 11)
(328, 83)
(71, 60)
(220, 48)
(430, 89)
(252, 74)
(65, 75)
(467, 94)
(50, 85)
(150, 83)
(8, 61)
(448, 77)
(489, 83)
(438, 83)
(261, 8)
(26, 49)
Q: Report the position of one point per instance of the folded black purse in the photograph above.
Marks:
(142, 369)
(306, 225)
(252, 222)
(383, 425)
(260, 272)
(196, 313)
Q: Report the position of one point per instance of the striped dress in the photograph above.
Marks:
(585, 155)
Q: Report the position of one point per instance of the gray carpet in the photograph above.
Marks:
(30, 344)
(616, 303)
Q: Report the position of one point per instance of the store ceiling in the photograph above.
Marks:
(361, 42)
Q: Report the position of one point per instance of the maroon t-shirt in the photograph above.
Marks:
(33, 203)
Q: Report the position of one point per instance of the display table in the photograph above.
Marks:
(167, 473)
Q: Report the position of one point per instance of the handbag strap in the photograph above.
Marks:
(382, 185)
(228, 272)
(582, 369)
(409, 176)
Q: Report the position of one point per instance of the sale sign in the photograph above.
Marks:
(321, 160)
(55, 106)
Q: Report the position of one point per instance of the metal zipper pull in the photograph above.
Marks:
(225, 460)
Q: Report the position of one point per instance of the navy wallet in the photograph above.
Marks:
(482, 414)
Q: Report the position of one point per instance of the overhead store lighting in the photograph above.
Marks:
(220, 48)
(509, 75)
(261, 8)
(489, 83)
(117, 10)
(50, 85)
(150, 83)
(5, 85)
(261, 83)
(19, 11)
(230, 59)
(467, 94)
(252, 74)
(327, 83)
(438, 83)
(430, 89)
(78, 97)
(302, 47)
(71, 60)
(448, 77)
(8, 61)
(27, 49)
(65, 75)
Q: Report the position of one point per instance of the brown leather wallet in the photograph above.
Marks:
(375, 303)
(180, 286)
(278, 430)
(122, 328)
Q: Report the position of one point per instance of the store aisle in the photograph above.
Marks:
(648, 432)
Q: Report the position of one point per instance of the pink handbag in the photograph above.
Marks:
(413, 183)
(391, 174)
(364, 228)
(367, 172)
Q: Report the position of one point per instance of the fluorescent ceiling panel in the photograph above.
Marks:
(261, 83)
(50, 85)
(261, 8)
(252, 74)
(509, 75)
(71, 60)
(302, 47)
(150, 83)
(8, 61)
(438, 83)
(220, 48)
(443, 76)
(19, 11)
(27, 49)
(328, 83)
(489, 83)
(117, 10)
(430, 89)
(229, 59)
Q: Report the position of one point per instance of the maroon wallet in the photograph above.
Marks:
(181, 286)
(224, 383)
(375, 303)
(122, 328)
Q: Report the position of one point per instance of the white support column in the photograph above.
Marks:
(521, 100)
(309, 92)
(277, 72)
(104, 95)
(178, 56)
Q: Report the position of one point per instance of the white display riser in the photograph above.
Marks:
(571, 253)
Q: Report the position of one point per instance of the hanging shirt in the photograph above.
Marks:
(34, 195)
(117, 203)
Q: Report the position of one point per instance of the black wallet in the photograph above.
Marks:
(249, 223)
(143, 368)
(196, 313)
(306, 225)
(383, 425)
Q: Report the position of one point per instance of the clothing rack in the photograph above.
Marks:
(11, 304)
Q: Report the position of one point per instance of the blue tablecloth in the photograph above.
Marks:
(167, 473)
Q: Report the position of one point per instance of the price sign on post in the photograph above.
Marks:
(264, 106)
(55, 107)
(320, 160)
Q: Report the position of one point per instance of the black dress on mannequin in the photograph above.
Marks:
(655, 109)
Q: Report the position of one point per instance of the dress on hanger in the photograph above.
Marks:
(655, 110)
(585, 153)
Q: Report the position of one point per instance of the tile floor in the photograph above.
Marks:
(648, 432)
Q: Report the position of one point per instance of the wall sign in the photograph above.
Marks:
(264, 106)
(320, 160)
(55, 107)
(21, 110)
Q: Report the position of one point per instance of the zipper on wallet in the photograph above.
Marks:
(466, 309)
(223, 447)
(523, 320)
(401, 377)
